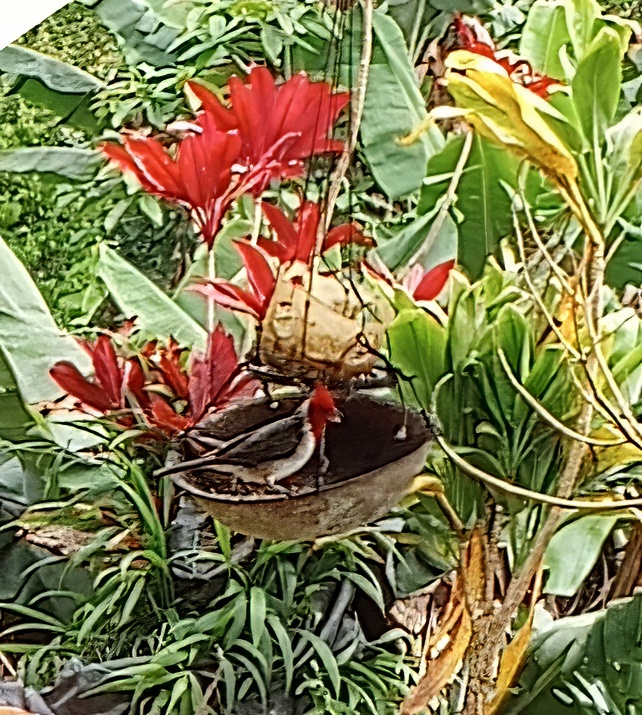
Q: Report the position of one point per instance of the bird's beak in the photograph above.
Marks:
(335, 416)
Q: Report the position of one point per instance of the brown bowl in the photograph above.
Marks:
(370, 469)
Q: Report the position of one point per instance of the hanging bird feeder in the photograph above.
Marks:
(367, 465)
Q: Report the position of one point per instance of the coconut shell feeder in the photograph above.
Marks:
(370, 460)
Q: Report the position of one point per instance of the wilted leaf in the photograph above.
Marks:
(511, 664)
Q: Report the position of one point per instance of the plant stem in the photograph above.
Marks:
(211, 305)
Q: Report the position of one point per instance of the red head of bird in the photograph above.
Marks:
(321, 410)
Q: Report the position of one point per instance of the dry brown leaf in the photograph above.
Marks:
(473, 569)
(440, 670)
(456, 623)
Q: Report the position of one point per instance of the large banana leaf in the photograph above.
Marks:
(50, 83)
(394, 106)
(137, 297)
(30, 341)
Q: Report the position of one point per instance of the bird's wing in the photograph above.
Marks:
(276, 440)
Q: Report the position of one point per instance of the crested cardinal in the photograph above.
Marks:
(274, 451)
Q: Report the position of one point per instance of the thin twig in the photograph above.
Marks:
(448, 200)
(536, 296)
(515, 490)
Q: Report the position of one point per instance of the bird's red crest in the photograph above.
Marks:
(322, 409)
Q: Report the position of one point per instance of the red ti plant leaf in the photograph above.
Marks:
(108, 373)
(103, 394)
(198, 176)
(280, 126)
(428, 285)
(172, 372)
(91, 394)
(165, 417)
(261, 279)
(215, 379)
(296, 240)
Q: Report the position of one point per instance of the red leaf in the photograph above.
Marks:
(285, 247)
(308, 220)
(166, 418)
(172, 372)
(259, 272)
(433, 282)
(135, 382)
(346, 234)
(212, 374)
(108, 373)
(212, 107)
(231, 296)
(73, 383)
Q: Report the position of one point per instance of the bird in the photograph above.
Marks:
(274, 451)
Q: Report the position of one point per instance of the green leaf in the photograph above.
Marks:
(580, 20)
(143, 31)
(595, 99)
(327, 658)
(30, 341)
(573, 552)
(58, 76)
(543, 36)
(136, 296)
(418, 350)
(410, 244)
(393, 107)
(68, 162)
(258, 611)
(482, 200)
(285, 644)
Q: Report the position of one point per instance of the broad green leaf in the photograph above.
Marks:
(58, 76)
(543, 36)
(71, 163)
(285, 644)
(595, 99)
(482, 199)
(30, 341)
(137, 297)
(144, 33)
(624, 156)
(418, 351)
(14, 418)
(580, 20)
(326, 656)
(573, 552)
(410, 244)
(394, 106)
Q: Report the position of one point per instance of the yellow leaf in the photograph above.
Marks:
(509, 114)
(511, 664)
